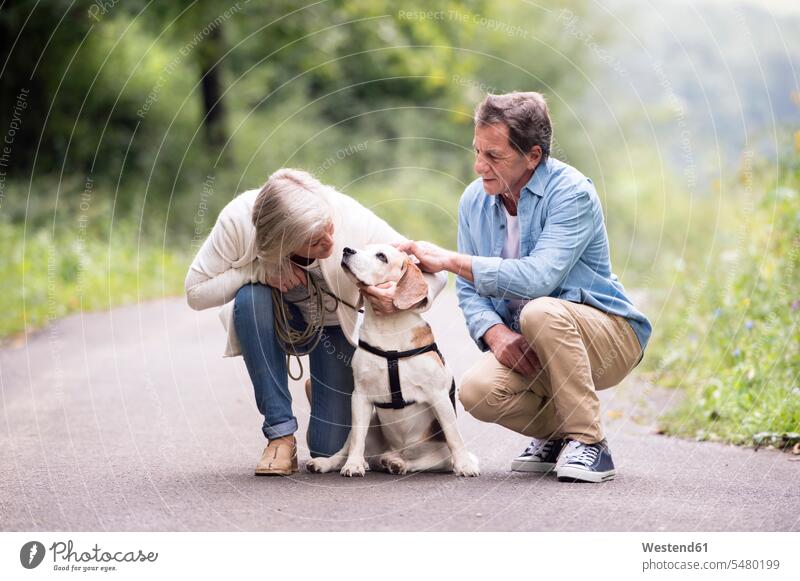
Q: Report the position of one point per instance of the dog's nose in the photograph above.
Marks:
(348, 251)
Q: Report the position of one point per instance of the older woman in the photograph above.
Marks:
(273, 260)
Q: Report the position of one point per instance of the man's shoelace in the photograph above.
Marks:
(583, 454)
(540, 450)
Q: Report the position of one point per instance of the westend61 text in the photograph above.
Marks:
(670, 548)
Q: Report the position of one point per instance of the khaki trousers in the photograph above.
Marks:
(581, 350)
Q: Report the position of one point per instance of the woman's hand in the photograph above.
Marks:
(380, 297)
(512, 350)
(284, 279)
(431, 258)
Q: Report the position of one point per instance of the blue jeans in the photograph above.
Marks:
(331, 373)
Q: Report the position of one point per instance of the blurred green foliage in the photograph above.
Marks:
(133, 106)
(731, 334)
(51, 275)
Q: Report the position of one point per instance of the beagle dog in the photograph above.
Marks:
(414, 427)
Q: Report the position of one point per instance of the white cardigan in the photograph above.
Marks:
(227, 260)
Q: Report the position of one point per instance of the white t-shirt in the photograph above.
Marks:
(511, 250)
(511, 247)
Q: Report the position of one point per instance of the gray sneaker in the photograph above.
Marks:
(540, 456)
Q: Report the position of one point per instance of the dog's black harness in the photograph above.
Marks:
(393, 357)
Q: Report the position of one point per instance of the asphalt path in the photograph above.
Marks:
(130, 420)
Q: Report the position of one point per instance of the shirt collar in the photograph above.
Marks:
(539, 178)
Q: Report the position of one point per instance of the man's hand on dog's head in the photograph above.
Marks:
(429, 257)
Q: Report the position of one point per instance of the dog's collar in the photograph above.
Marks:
(392, 358)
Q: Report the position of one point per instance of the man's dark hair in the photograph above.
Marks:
(525, 114)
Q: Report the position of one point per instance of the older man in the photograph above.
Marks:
(537, 291)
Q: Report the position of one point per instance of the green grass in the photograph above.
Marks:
(47, 276)
(730, 334)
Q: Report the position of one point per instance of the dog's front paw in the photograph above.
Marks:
(394, 465)
(353, 469)
(466, 467)
(319, 465)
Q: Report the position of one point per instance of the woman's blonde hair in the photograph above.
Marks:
(288, 211)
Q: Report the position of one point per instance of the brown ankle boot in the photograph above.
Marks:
(279, 458)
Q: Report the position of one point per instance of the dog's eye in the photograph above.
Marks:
(382, 257)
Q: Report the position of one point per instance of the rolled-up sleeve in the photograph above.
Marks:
(478, 311)
(567, 232)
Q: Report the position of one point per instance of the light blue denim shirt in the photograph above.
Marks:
(563, 252)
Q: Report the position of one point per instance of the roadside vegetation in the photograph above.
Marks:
(729, 334)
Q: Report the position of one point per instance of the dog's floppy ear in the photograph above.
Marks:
(411, 288)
